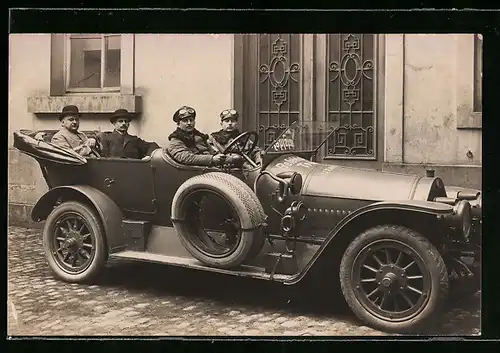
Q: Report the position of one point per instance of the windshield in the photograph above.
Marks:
(301, 136)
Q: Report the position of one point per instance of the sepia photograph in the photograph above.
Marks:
(267, 184)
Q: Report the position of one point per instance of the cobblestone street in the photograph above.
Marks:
(147, 299)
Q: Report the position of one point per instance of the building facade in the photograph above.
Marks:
(398, 102)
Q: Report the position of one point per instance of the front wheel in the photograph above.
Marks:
(393, 279)
(73, 241)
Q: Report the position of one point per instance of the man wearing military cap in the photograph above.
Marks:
(119, 143)
(187, 145)
(229, 121)
(69, 136)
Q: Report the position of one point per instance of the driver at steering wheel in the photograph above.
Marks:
(187, 145)
(222, 138)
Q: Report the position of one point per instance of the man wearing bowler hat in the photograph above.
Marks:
(229, 121)
(119, 144)
(69, 136)
(187, 145)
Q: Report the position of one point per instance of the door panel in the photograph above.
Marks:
(333, 78)
(272, 83)
(350, 92)
(128, 182)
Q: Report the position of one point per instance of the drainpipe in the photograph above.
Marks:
(403, 103)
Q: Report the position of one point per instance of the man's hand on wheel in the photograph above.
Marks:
(234, 159)
(219, 158)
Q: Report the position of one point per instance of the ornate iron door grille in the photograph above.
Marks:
(351, 92)
(278, 88)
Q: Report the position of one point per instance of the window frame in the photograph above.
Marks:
(478, 65)
(87, 102)
(67, 63)
(465, 54)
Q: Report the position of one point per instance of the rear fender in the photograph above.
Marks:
(108, 211)
(372, 212)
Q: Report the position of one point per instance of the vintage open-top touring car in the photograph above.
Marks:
(399, 245)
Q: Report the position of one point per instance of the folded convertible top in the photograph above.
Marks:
(42, 150)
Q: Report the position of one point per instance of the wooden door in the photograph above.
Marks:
(333, 78)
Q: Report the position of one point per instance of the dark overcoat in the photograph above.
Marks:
(115, 145)
(190, 148)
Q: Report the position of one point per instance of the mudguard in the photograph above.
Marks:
(426, 207)
(108, 211)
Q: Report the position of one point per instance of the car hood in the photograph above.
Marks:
(328, 180)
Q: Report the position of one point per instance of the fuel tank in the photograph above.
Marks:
(329, 180)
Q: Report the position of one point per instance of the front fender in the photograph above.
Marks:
(423, 207)
(109, 213)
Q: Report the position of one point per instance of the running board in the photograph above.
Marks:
(243, 270)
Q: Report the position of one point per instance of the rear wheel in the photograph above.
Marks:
(73, 241)
(393, 279)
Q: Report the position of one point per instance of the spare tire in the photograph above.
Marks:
(258, 241)
(241, 202)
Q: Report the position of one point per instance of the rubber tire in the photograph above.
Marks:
(101, 250)
(430, 255)
(242, 199)
(258, 241)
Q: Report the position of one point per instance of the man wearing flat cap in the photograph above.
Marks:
(69, 136)
(119, 143)
(187, 145)
(229, 121)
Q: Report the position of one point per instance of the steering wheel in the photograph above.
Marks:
(241, 146)
(240, 143)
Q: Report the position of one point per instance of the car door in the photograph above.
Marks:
(128, 182)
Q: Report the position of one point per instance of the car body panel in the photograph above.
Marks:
(163, 240)
(118, 180)
(164, 246)
(332, 192)
(329, 180)
(423, 207)
(160, 177)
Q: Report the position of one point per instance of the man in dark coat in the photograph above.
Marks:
(119, 144)
(187, 145)
(229, 120)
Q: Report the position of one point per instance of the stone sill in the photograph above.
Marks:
(471, 121)
(86, 103)
(430, 165)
